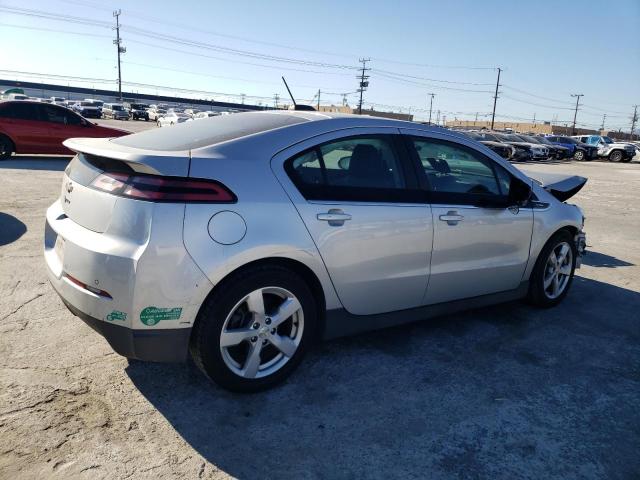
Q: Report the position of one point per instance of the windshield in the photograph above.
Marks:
(543, 140)
(471, 135)
(529, 139)
(512, 137)
(117, 107)
(492, 137)
(568, 140)
(86, 104)
(607, 140)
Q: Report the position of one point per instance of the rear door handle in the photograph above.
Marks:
(335, 217)
(452, 218)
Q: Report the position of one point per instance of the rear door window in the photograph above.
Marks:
(362, 168)
(23, 111)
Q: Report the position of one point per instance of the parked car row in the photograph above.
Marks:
(94, 108)
(520, 147)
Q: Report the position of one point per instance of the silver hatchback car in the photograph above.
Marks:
(241, 239)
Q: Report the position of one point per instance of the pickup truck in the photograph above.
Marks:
(608, 148)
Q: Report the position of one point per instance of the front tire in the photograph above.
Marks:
(553, 272)
(6, 147)
(254, 330)
(579, 155)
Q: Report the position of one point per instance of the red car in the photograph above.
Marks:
(33, 127)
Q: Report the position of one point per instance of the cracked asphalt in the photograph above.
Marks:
(497, 393)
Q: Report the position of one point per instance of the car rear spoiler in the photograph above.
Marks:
(155, 162)
(560, 186)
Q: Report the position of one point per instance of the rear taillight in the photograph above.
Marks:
(154, 188)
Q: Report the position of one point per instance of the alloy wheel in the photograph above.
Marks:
(557, 270)
(579, 155)
(262, 332)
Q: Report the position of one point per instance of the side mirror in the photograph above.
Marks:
(519, 191)
(343, 163)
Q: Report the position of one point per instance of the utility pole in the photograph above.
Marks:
(438, 118)
(431, 105)
(444, 120)
(634, 119)
(604, 117)
(344, 99)
(534, 118)
(242, 95)
(575, 114)
(495, 99)
(276, 97)
(476, 120)
(318, 104)
(364, 81)
(118, 43)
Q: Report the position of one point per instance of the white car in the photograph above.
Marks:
(172, 118)
(207, 114)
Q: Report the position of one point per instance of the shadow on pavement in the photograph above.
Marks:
(502, 392)
(595, 259)
(55, 163)
(11, 229)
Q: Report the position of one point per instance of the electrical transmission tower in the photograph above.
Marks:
(634, 119)
(364, 81)
(431, 105)
(118, 43)
(276, 97)
(495, 98)
(575, 114)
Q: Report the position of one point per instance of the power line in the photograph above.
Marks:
(376, 70)
(401, 79)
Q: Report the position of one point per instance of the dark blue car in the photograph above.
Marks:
(578, 150)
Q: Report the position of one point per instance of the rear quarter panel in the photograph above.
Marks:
(274, 228)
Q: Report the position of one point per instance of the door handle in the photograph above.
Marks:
(452, 217)
(334, 216)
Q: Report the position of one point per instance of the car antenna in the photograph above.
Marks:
(295, 105)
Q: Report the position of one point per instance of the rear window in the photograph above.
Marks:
(214, 130)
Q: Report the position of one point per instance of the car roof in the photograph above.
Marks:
(284, 127)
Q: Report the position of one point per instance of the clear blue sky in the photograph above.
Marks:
(548, 49)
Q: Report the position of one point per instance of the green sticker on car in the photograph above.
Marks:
(152, 315)
(117, 315)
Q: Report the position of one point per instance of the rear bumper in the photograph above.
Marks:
(141, 292)
(169, 345)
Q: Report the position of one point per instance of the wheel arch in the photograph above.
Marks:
(13, 143)
(313, 282)
(571, 229)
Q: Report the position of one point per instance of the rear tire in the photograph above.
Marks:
(615, 156)
(230, 331)
(6, 147)
(542, 286)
